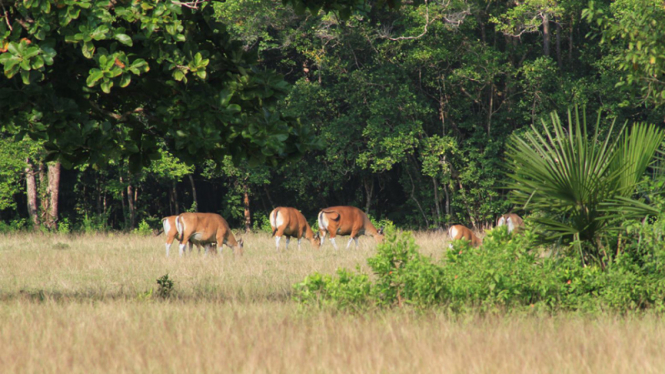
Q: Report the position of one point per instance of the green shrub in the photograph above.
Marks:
(506, 272)
(93, 223)
(143, 229)
(165, 287)
(261, 223)
(64, 226)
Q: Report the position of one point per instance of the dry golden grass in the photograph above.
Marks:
(72, 304)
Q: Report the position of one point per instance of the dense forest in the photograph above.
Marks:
(114, 113)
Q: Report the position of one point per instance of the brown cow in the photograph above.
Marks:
(457, 232)
(512, 220)
(346, 220)
(206, 228)
(290, 222)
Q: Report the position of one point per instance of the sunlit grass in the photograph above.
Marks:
(78, 304)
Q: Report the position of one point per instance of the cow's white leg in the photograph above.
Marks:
(332, 240)
(287, 242)
(299, 240)
(322, 236)
(207, 248)
(277, 239)
(168, 247)
(182, 249)
(349, 243)
(356, 240)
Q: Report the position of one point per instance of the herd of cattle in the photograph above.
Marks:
(206, 229)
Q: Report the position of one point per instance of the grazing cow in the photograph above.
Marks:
(512, 221)
(289, 222)
(346, 220)
(206, 229)
(457, 232)
(171, 233)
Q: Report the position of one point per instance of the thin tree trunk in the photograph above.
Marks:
(489, 114)
(54, 193)
(265, 189)
(98, 193)
(413, 197)
(248, 220)
(546, 34)
(369, 191)
(570, 38)
(558, 43)
(130, 205)
(196, 200)
(31, 185)
(437, 205)
(447, 205)
(174, 191)
(124, 205)
(466, 203)
(43, 193)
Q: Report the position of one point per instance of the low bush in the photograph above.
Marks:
(506, 272)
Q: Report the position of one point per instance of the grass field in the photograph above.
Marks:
(78, 304)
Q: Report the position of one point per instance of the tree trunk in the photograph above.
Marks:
(558, 43)
(413, 197)
(447, 206)
(130, 205)
(265, 189)
(570, 38)
(196, 200)
(43, 193)
(369, 191)
(174, 191)
(546, 34)
(54, 193)
(248, 220)
(122, 200)
(31, 184)
(437, 205)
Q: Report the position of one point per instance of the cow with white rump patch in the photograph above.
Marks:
(457, 232)
(512, 221)
(171, 233)
(346, 220)
(206, 228)
(289, 222)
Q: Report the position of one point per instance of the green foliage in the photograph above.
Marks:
(165, 286)
(64, 226)
(633, 32)
(150, 72)
(93, 223)
(506, 272)
(580, 180)
(262, 223)
(13, 225)
(143, 229)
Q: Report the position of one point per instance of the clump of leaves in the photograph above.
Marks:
(165, 287)
(579, 180)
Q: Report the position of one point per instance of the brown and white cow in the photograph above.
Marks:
(346, 220)
(171, 233)
(457, 232)
(512, 221)
(206, 229)
(290, 222)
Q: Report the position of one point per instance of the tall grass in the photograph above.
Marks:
(78, 304)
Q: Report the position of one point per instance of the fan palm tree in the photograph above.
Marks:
(581, 181)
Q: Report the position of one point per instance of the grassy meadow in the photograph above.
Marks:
(82, 304)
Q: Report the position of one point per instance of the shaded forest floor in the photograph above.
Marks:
(83, 304)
